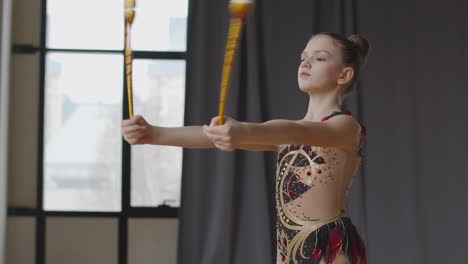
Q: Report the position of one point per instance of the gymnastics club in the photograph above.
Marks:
(129, 16)
(238, 10)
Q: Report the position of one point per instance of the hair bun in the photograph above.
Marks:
(361, 43)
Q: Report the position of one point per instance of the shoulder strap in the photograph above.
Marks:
(335, 113)
(363, 139)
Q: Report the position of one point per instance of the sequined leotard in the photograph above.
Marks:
(310, 180)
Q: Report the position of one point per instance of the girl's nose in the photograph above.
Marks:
(305, 64)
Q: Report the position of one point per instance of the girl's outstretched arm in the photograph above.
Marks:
(340, 131)
(138, 131)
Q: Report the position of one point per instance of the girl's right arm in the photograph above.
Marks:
(138, 131)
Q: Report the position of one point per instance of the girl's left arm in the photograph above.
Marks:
(340, 131)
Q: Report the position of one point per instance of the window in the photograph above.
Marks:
(85, 167)
(93, 189)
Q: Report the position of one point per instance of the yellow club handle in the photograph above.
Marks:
(238, 11)
(129, 17)
(128, 71)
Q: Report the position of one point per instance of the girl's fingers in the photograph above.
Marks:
(209, 135)
(127, 122)
(217, 143)
(136, 139)
(132, 140)
(218, 140)
(220, 144)
(132, 128)
(224, 148)
(207, 130)
(214, 121)
(134, 135)
(139, 120)
(213, 136)
(213, 129)
(127, 128)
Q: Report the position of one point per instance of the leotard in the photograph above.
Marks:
(316, 179)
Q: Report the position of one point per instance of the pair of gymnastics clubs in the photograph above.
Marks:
(239, 10)
(129, 12)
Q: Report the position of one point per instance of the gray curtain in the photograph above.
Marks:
(408, 200)
(414, 94)
(5, 32)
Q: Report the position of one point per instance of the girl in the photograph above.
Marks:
(317, 155)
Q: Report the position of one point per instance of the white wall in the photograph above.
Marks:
(5, 31)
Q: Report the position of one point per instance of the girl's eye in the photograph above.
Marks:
(320, 59)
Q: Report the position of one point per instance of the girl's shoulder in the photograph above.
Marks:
(363, 134)
(347, 112)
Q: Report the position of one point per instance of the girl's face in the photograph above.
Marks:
(321, 65)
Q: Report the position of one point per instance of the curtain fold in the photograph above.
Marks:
(414, 96)
(5, 46)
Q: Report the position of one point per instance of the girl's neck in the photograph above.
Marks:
(321, 105)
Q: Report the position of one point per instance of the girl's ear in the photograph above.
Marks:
(346, 76)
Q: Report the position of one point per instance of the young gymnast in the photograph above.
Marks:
(318, 155)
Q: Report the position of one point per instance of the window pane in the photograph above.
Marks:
(82, 139)
(85, 24)
(159, 96)
(160, 25)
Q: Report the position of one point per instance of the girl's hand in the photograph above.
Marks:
(137, 131)
(226, 137)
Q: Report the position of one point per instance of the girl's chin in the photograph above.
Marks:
(302, 89)
(307, 89)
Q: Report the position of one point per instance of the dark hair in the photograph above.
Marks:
(355, 50)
